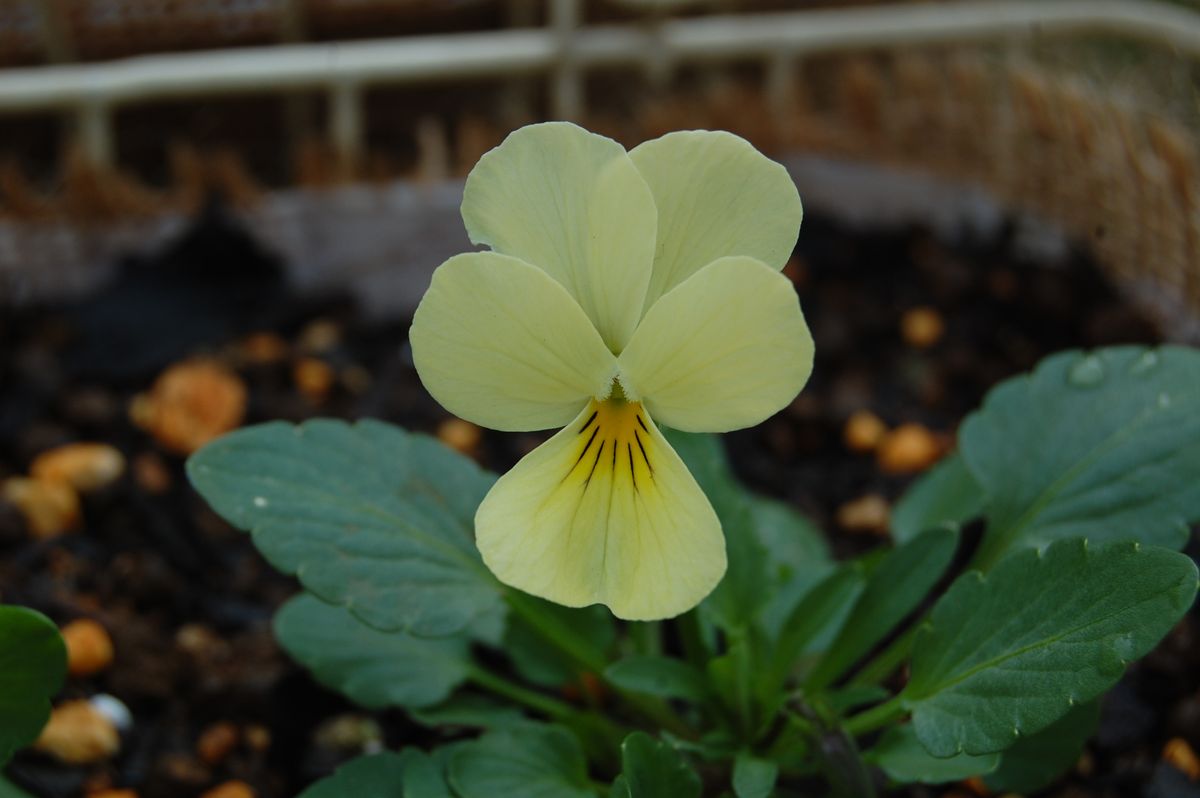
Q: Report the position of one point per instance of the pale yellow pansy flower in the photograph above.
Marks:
(622, 288)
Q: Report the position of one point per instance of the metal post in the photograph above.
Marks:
(346, 124)
(659, 63)
(781, 93)
(567, 88)
(298, 107)
(516, 99)
(94, 124)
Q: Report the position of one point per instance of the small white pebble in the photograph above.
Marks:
(113, 709)
(259, 501)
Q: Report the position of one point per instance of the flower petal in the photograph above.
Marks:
(716, 196)
(499, 343)
(723, 350)
(572, 203)
(604, 512)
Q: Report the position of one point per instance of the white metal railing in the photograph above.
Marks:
(563, 52)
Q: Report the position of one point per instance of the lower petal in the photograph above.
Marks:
(604, 512)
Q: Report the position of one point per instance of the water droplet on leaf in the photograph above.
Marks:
(1087, 372)
(1147, 361)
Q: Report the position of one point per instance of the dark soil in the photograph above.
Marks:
(189, 601)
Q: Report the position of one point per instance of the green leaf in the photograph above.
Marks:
(947, 496)
(766, 542)
(1036, 761)
(753, 777)
(33, 665)
(532, 760)
(828, 602)
(901, 756)
(540, 662)
(409, 774)
(466, 709)
(1103, 445)
(1009, 653)
(366, 516)
(659, 676)
(798, 553)
(374, 776)
(895, 589)
(653, 769)
(490, 626)
(854, 696)
(794, 542)
(775, 614)
(740, 593)
(729, 680)
(425, 774)
(714, 746)
(374, 669)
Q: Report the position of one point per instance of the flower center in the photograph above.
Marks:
(613, 440)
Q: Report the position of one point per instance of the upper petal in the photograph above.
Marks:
(572, 203)
(716, 196)
(604, 512)
(723, 350)
(499, 343)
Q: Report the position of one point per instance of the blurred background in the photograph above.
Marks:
(219, 212)
(137, 113)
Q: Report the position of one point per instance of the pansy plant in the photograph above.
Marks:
(628, 290)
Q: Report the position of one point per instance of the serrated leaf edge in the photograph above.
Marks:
(1039, 554)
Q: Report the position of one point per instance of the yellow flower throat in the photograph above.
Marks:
(613, 440)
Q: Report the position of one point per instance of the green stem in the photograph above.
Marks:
(601, 737)
(835, 750)
(562, 635)
(887, 661)
(580, 649)
(743, 669)
(845, 769)
(647, 637)
(660, 714)
(558, 710)
(794, 737)
(692, 638)
(993, 545)
(876, 717)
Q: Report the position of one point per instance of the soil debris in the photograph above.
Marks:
(86, 467)
(89, 647)
(79, 734)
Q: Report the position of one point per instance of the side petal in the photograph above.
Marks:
(499, 343)
(572, 203)
(723, 350)
(716, 196)
(604, 512)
